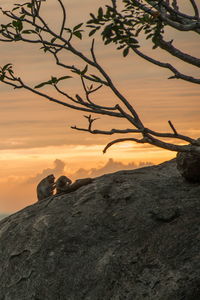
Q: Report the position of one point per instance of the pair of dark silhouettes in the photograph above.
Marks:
(63, 184)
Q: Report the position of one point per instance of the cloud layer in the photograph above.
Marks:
(22, 191)
(110, 167)
(57, 170)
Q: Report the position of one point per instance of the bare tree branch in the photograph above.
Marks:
(157, 143)
(97, 111)
(196, 11)
(141, 141)
(172, 127)
(161, 12)
(64, 17)
(177, 74)
(177, 53)
(108, 132)
(169, 19)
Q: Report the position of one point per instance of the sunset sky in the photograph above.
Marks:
(35, 135)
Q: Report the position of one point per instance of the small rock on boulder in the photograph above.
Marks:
(188, 165)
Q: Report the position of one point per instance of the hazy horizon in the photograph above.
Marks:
(24, 189)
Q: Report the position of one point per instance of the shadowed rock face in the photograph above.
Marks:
(188, 165)
(128, 235)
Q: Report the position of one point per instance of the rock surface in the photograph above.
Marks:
(129, 235)
(188, 165)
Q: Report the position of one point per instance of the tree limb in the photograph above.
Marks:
(177, 53)
(177, 74)
(169, 14)
(108, 132)
(141, 141)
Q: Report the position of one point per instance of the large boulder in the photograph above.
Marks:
(188, 165)
(129, 235)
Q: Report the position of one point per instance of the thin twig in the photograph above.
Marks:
(90, 122)
(108, 132)
(64, 17)
(65, 94)
(172, 127)
(196, 11)
(50, 98)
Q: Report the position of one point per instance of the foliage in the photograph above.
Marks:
(125, 24)
(122, 27)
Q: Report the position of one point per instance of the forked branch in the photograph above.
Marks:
(93, 77)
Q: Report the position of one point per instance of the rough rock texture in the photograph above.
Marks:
(188, 165)
(129, 235)
(3, 216)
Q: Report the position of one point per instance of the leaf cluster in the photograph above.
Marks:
(28, 13)
(123, 28)
(76, 31)
(4, 70)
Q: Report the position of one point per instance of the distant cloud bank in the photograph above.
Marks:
(22, 192)
(110, 167)
(57, 170)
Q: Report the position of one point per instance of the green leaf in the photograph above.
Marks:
(78, 34)
(54, 79)
(15, 8)
(135, 46)
(108, 41)
(77, 26)
(53, 40)
(84, 70)
(10, 71)
(6, 67)
(68, 29)
(28, 31)
(149, 36)
(93, 16)
(126, 51)
(91, 26)
(155, 46)
(121, 47)
(133, 41)
(3, 26)
(100, 13)
(14, 23)
(42, 84)
(92, 32)
(17, 37)
(45, 48)
(64, 77)
(18, 25)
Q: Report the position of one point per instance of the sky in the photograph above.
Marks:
(36, 138)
